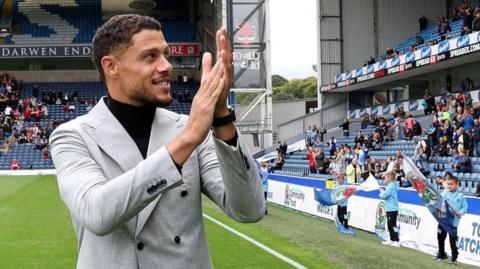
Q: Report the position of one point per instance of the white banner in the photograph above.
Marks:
(418, 228)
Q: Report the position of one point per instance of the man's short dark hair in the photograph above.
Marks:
(115, 35)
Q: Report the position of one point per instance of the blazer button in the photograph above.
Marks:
(184, 193)
(140, 246)
(177, 239)
(162, 183)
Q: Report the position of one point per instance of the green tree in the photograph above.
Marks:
(296, 89)
(284, 89)
(278, 80)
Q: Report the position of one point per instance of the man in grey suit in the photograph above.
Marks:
(132, 173)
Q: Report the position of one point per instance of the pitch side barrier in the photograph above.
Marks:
(418, 228)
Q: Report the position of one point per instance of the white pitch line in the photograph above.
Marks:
(258, 244)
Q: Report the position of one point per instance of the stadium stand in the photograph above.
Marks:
(297, 163)
(25, 140)
(431, 34)
(65, 22)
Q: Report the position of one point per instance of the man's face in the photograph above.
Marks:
(143, 71)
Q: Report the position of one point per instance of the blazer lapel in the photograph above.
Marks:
(164, 129)
(110, 135)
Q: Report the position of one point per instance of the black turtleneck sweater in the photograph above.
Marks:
(137, 121)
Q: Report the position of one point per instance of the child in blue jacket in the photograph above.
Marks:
(458, 204)
(342, 205)
(390, 195)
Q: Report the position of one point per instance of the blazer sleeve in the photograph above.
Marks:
(230, 179)
(98, 202)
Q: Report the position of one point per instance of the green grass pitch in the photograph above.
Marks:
(36, 232)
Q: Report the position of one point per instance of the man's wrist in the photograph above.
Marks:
(224, 120)
(225, 132)
(220, 113)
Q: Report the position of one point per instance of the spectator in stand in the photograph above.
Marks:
(362, 154)
(15, 165)
(45, 153)
(278, 165)
(420, 155)
(476, 21)
(468, 102)
(341, 162)
(444, 28)
(463, 8)
(423, 23)
(409, 122)
(467, 23)
(466, 121)
(311, 160)
(477, 190)
(368, 167)
(284, 149)
(462, 140)
(310, 135)
(279, 149)
(377, 141)
(345, 126)
(446, 130)
(440, 183)
(320, 161)
(45, 111)
(441, 149)
(463, 163)
(428, 102)
(452, 104)
(354, 172)
(349, 155)
(371, 60)
(332, 146)
(358, 138)
(315, 131)
(476, 136)
(419, 40)
(323, 131)
(417, 128)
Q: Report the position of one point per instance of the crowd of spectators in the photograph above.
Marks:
(467, 13)
(454, 132)
(24, 119)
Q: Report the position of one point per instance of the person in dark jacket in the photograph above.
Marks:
(359, 138)
(441, 149)
(345, 126)
(417, 128)
(476, 136)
